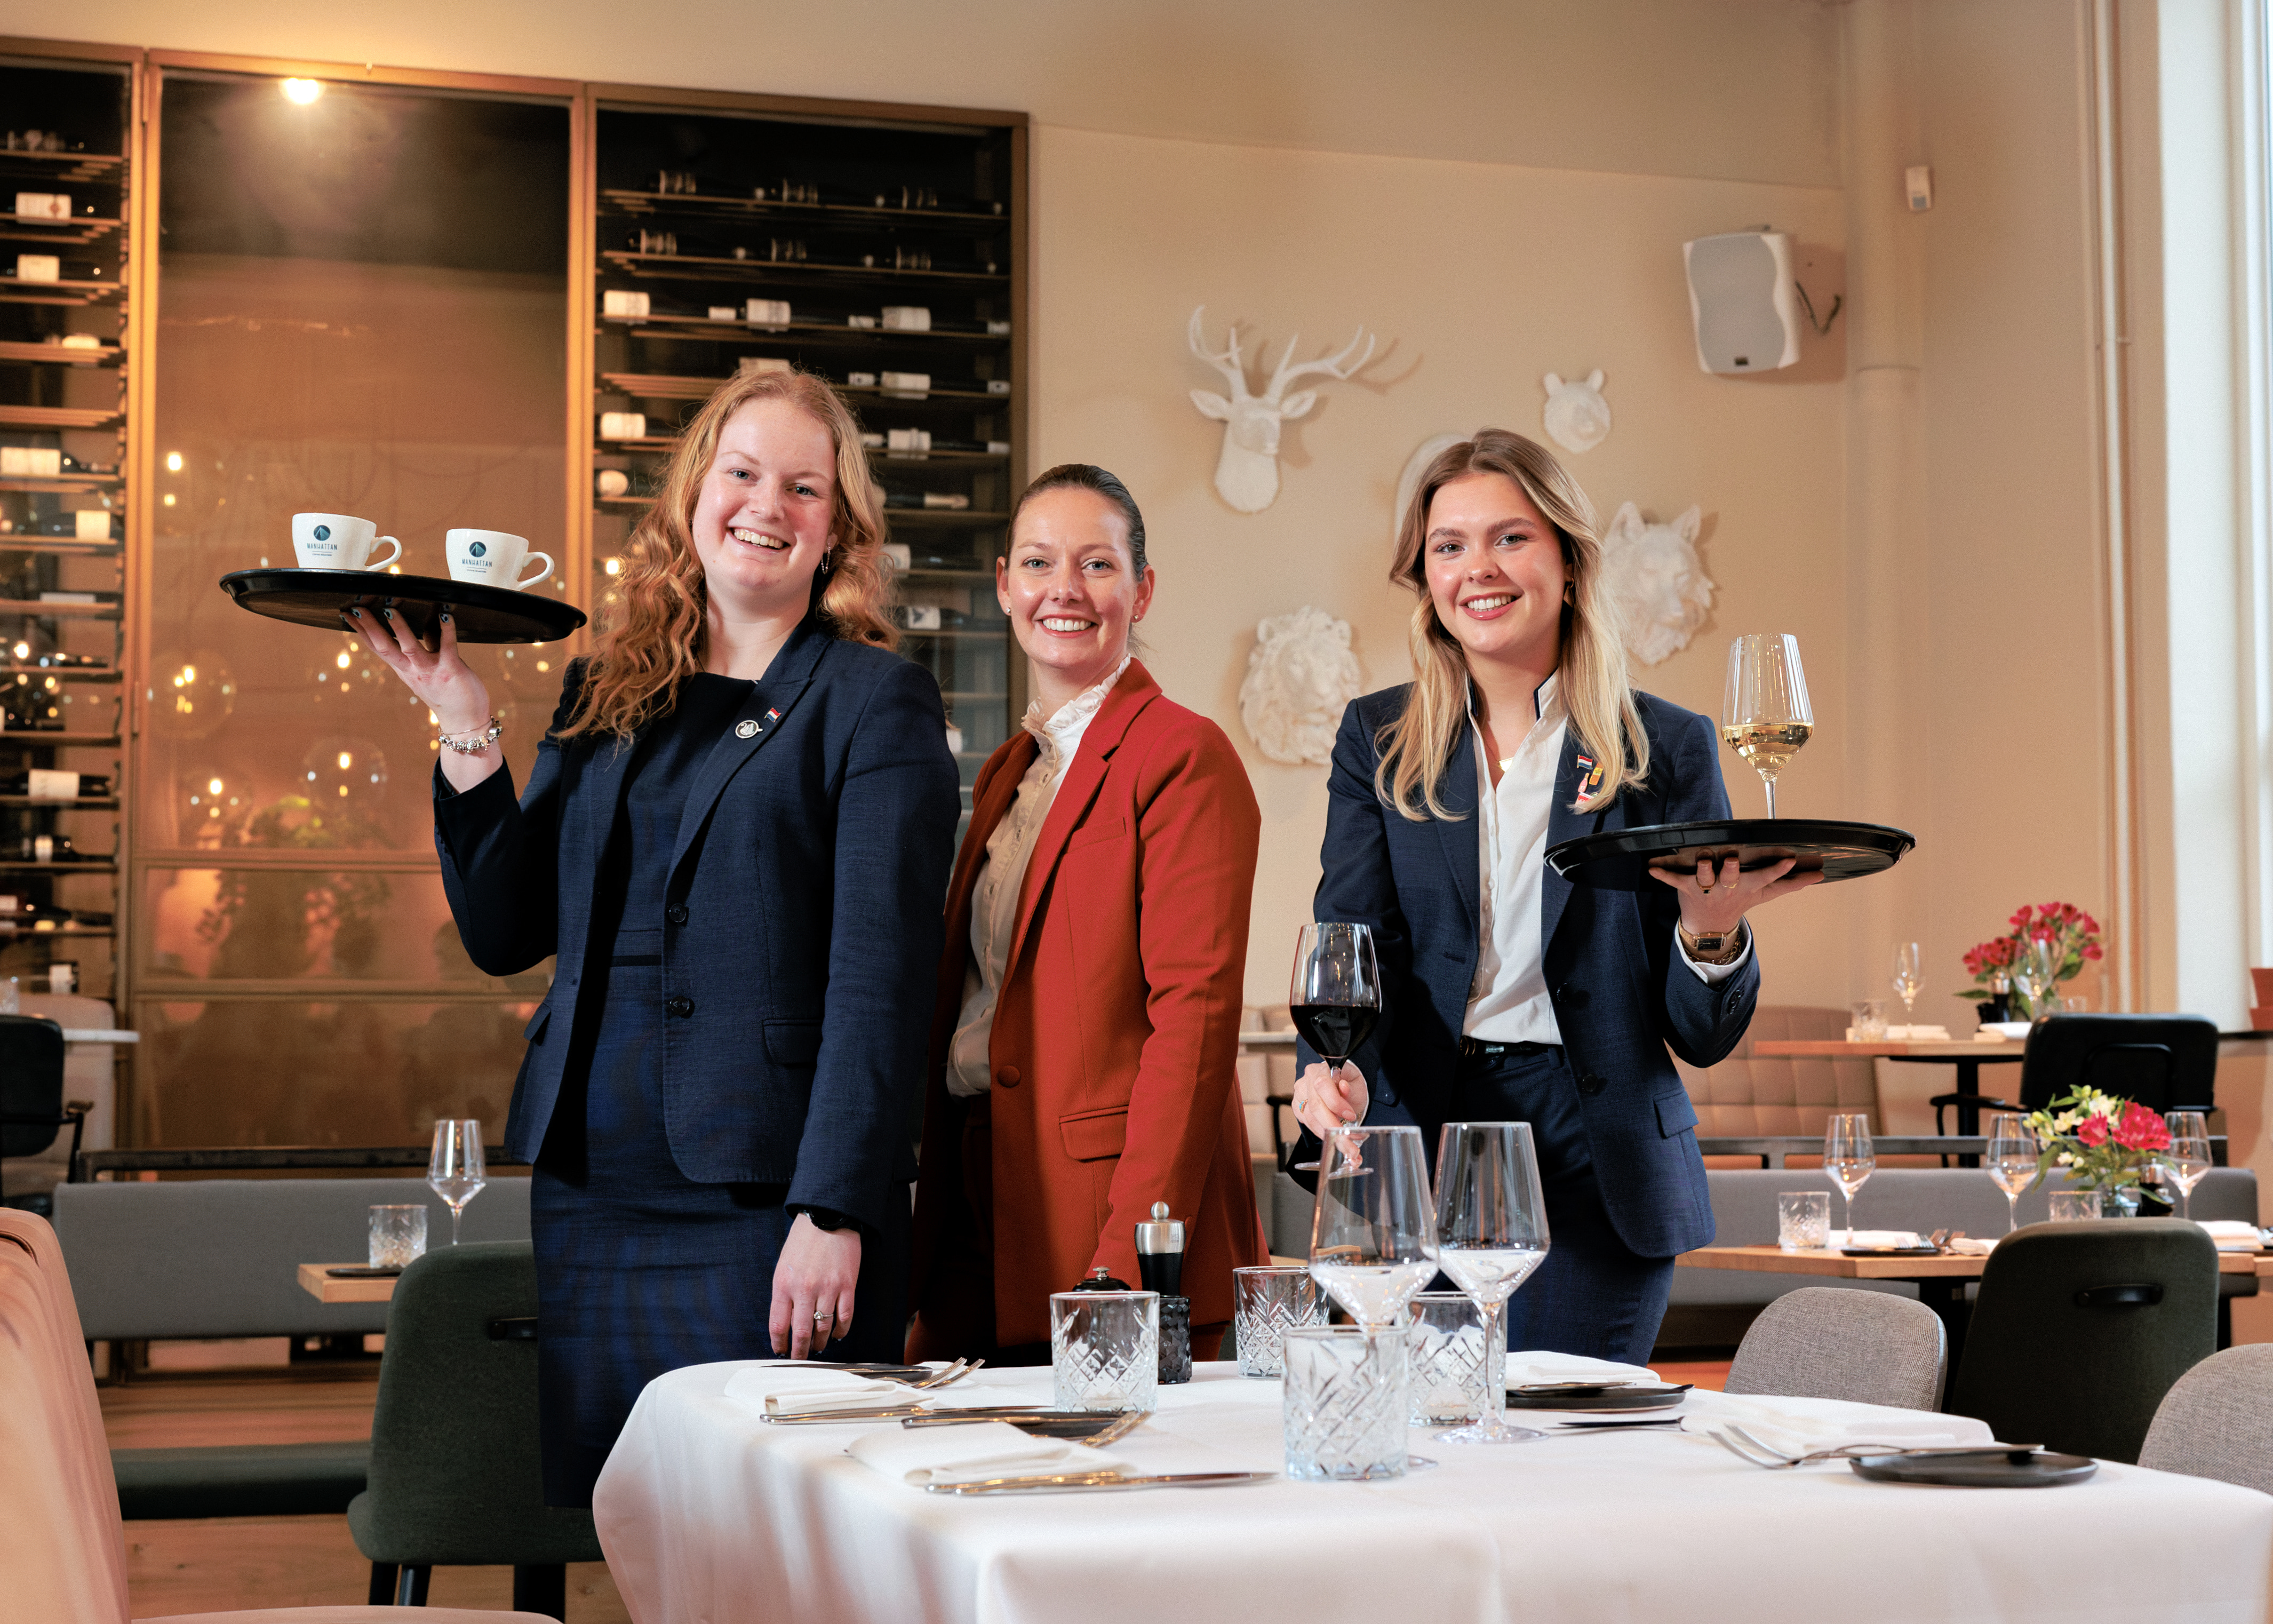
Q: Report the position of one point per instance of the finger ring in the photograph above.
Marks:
(822, 1316)
(1702, 887)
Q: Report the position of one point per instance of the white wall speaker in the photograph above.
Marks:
(1741, 301)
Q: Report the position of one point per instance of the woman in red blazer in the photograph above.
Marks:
(1087, 1025)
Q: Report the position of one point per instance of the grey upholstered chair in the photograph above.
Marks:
(1860, 1346)
(2217, 1422)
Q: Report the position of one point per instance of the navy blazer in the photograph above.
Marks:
(801, 925)
(1621, 993)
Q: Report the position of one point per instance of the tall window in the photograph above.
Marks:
(363, 309)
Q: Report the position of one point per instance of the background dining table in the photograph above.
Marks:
(708, 1512)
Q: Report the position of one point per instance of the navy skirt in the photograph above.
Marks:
(639, 1269)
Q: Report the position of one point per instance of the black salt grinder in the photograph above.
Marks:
(1160, 1265)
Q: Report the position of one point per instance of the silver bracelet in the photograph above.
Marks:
(476, 743)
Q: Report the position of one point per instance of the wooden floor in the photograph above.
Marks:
(221, 1563)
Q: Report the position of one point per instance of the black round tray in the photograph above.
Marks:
(320, 598)
(1605, 1398)
(1615, 859)
(1978, 1468)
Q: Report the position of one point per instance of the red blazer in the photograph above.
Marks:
(1116, 1028)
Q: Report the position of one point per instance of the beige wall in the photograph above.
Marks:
(1478, 278)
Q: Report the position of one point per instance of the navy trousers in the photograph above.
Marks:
(1592, 1296)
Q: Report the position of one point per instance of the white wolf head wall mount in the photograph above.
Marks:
(1247, 470)
(1656, 582)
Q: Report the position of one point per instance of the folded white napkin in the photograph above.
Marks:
(2232, 1235)
(1879, 1240)
(1917, 1035)
(1802, 1425)
(973, 1453)
(1967, 1246)
(1523, 1368)
(800, 1389)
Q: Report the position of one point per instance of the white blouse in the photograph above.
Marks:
(1003, 875)
(1508, 1002)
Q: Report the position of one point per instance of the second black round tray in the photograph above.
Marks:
(321, 597)
(1617, 859)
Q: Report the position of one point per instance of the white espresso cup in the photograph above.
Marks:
(337, 541)
(493, 558)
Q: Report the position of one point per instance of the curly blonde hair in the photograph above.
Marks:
(1597, 694)
(652, 640)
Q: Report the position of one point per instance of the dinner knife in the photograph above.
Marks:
(1072, 1482)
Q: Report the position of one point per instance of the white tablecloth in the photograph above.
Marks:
(708, 1514)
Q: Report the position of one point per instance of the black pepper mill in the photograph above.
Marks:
(1160, 1265)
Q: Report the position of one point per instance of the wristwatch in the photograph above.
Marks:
(827, 1219)
(1718, 947)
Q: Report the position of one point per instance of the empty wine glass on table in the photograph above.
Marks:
(2030, 981)
(1848, 1158)
(1765, 715)
(1908, 979)
(1336, 995)
(2187, 1162)
(1373, 1232)
(1491, 1233)
(455, 1170)
(2013, 1161)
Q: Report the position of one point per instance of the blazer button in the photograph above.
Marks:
(682, 1006)
(1007, 1078)
(676, 913)
(1590, 1084)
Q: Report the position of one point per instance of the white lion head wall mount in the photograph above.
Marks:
(1577, 417)
(1656, 582)
(1300, 678)
(1247, 469)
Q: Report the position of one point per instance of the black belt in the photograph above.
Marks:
(1476, 1049)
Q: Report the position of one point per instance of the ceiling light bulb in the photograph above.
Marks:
(303, 92)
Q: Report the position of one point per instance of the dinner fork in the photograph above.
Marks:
(1750, 1450)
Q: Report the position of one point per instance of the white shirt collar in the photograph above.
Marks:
(1060, 733)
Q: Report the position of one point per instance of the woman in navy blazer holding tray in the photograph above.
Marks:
(1509, 994)
(736, 840)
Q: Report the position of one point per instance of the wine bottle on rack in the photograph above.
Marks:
(20, 913)
(42, 849)
(46, 784)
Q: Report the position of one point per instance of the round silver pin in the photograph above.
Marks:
(745, 730)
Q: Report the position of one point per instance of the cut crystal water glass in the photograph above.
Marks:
(1345, 1402)
(1267, 1302)
(1452, 1366)
(1105, 1349)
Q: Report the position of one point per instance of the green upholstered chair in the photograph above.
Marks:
(240, 1480)
(454, 1471)
(2079, 1330)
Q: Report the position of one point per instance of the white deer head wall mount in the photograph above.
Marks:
(1247, 471)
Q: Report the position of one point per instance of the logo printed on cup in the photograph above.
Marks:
(339, 541)
(494, 558)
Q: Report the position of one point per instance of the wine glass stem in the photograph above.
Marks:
(1494, 1392)
(1770, 783)
(2012, 1212)
(457, 1215)
(2186, 1203)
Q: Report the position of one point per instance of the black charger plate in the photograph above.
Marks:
(1617, 859)
(1601, 1398)
(321, 597)
(1987, 1469)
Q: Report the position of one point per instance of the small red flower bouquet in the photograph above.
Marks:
(2071, 938)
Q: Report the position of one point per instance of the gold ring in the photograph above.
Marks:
(1702, 887)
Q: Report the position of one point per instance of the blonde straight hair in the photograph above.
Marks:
(652, 640)
(1417, 747)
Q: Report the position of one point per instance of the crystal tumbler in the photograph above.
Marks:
(1452, 1366)
(397, 1236)
(1105, 1349)
(1345, 1402)
(1804, 1220)
(2069, 1206)
(1267, 1302)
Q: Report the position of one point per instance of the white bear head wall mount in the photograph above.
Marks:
(1577, 417)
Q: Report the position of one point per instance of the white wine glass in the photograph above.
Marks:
(2028, 980)
(1848, 1158)
(2012, 1161)
(1765, 715)
(2187, 1162)
(1491, 1233)
(1373, 1232)
(455, 1168)
(1907, 978)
